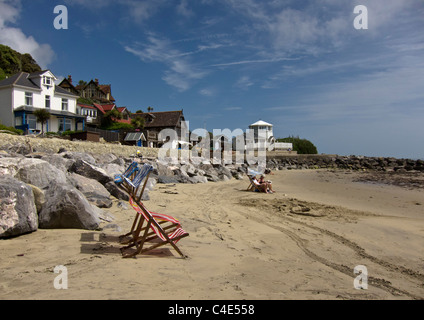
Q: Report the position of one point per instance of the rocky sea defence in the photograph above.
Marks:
(54, 183)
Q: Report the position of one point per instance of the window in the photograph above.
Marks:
(64, 104)
(28, 98)
(65, 125)
(47, 81)
(47, 102)
(18, 121)
(32, 121)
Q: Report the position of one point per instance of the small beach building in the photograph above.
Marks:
(263, 134)
(24, 93)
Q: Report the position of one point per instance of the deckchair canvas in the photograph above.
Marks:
(132, 168)
(132, 186)
(152, 231)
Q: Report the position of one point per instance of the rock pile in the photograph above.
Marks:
(344, 162)
(68, 189)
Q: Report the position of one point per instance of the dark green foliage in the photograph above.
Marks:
(12, 62)
(302, 146)
(138, 122)
(42, 116)
(11, 129)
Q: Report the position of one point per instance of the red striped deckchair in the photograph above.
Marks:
(166, 222)
(142, 235)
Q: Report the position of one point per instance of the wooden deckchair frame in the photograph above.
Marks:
(143, 235)
(166, 222)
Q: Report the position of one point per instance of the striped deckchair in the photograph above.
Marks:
(143, 235)
(167, 222)
(119, 178)
(132, 186)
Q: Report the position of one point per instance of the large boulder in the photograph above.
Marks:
(66, 207)
(90, 171)
(33, 171)
(93, 190)
(18, 214)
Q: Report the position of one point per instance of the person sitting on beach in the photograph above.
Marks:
(267, 183)
(260, 187)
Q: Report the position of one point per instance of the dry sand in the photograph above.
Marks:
(303, 242)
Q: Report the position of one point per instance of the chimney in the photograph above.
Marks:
(96, 81)
(70, 79)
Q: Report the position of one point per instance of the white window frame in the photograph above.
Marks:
(65, 104)
(29, 99)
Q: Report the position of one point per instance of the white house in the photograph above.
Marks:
(23, 93)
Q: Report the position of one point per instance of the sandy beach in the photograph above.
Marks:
(302, 242)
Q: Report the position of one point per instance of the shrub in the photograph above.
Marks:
(302, 146)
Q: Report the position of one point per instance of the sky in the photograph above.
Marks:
(302, 66)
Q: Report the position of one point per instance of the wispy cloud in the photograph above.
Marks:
(181, 73)
(226, 64)
(244, 83)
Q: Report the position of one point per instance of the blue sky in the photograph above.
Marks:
(300, 65)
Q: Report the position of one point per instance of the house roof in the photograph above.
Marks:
(162, 119)
(19, 79)
(103, 108)
(121, 109)
(261, 123)
(24, 79)
(135, 136)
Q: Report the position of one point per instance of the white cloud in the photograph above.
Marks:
(17, 40)
(244, 83)
(181, 73)
(184, 9)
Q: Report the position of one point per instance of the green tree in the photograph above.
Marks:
(42, 116)
(12, 62)
(110, 117)
(138, 122)
(302, 146)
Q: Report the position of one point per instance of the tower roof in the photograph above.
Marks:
(261, 123)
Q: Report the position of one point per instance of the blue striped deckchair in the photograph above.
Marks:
(133, 167)
(162, 236)
(132, 186)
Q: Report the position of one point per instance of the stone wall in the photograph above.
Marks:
(53, 145)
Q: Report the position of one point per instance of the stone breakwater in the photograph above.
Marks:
(356, 163)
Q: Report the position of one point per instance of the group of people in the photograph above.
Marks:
(263, 185)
